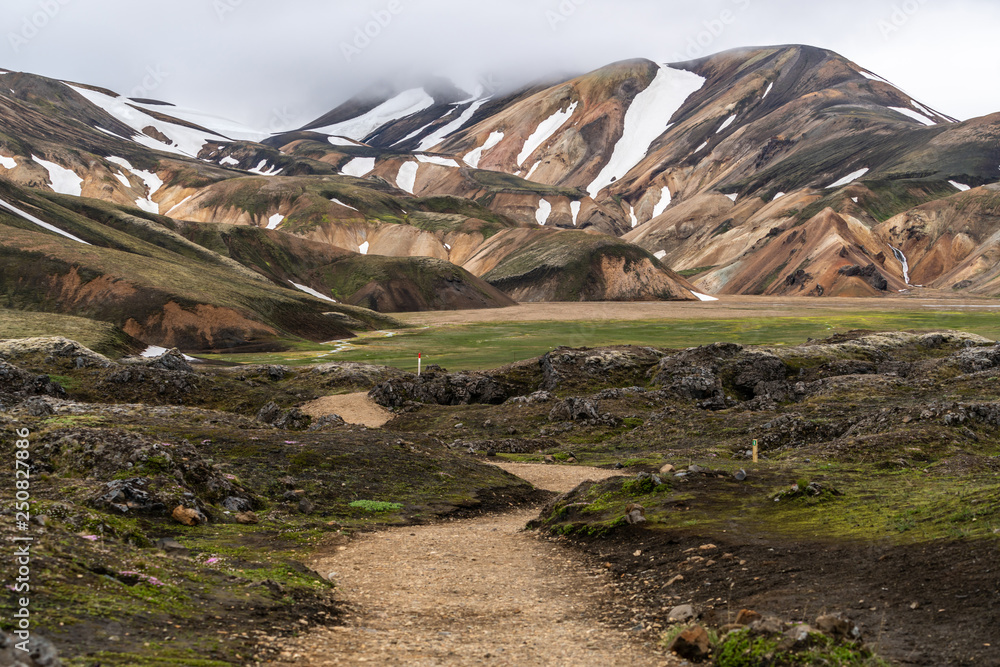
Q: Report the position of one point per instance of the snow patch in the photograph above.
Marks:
(665, 199)
(961, 187)
(359, 167)
(768, 91)
(474, 156)
(574, 208)
(854, 199)
(704, 297)
(184, 140)
(778, 196)
(363, 248)
(729, 121)
(152, 181)
(902, 260)
(850, 178)
(217, 124)
(310, 290)
(632, 217)
(434, 159)
(545, 130)
(406, 179)
(660, 254)
(343, 141)
(698, 150)
(275, 220)
(340, 203)
(647, 118)
(543, 212)
(64, 181)
(734, 196)
(229, 161)
(531, 171)
(31, 218)
(914, 115)
(123, 178)
(7, 162)
(405, 104)
(263, 170)
(447, 247)
(441, 133)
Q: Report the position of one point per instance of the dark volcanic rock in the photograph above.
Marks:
(441, 389)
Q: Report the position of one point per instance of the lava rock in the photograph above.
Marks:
(693, 644)
(188, 516)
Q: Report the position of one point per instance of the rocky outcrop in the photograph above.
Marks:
(441, 389)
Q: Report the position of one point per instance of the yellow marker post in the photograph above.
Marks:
(755, 451)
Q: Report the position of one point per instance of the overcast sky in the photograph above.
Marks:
(277, 65)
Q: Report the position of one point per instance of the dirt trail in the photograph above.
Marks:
(470, 592)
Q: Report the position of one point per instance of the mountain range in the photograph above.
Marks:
(784, 170)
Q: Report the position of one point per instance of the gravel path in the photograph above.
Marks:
(470, 592)
(352, 408)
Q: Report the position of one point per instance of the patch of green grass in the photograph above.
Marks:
(742, 649)
(494, 344)
(376, 506)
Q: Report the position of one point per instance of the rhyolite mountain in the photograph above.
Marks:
(778, 170)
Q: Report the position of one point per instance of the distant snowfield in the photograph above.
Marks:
(704, 297)
(310, 290)
(778, 196)
(768, 91)
(660, 254)
(545, 130)
(340, 203)
(434, 159)
(186, 141)
(962, 187)
(474, 156)
(405, 104)
(665, 199)
(363, 248)
(225, 127)
(734, 196)
(442, 133)
(152, 181)
(914, 115)
(275, 220)
(647, 118)
(359, 167)
(543, 212)
(850, 178)
(154, 351)
(343, 141)
(574, 208)
(40, 223)
(179, 204)
(406, 179)
(232, 162)
(632, 216)
(64, 181)
(7, 162)
(263, 170)
(531, 172)
(729, 121)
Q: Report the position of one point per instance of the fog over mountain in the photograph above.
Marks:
(278, 69)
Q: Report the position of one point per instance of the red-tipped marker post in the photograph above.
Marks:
(419, 363)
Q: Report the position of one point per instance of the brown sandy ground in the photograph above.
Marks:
(352, 408)
(471, 592)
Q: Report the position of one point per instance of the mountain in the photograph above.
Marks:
(774, 170)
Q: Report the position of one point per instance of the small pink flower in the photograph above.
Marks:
(211, 560)
(205, 442)
(92, 538)
(228, 476)
(291, 442)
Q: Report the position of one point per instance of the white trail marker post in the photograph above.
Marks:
(419, 363)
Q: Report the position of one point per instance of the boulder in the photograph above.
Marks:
(681, 613)
(41, 652)
(838, 626)
(246, 518)
(188, 516)
(130, 496)
(693, 644)
(575, 409)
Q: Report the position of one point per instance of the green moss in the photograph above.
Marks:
(376, 506)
